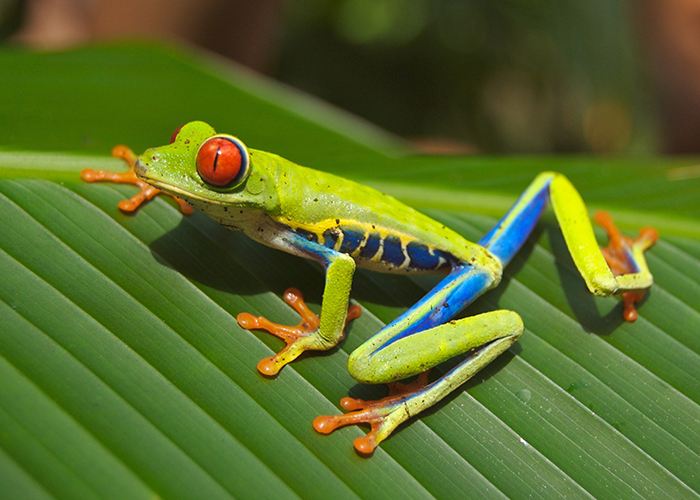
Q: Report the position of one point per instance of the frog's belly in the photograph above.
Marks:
(373, 248)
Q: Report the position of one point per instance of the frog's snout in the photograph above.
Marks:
(140, 169)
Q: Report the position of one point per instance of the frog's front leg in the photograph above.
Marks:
(313, 333)
(146, 191)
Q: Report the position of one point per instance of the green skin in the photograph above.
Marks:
(279, 198)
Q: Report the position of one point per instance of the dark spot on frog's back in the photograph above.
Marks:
(330, 237)
(307, 234)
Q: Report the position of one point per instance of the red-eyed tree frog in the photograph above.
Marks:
(343, 225)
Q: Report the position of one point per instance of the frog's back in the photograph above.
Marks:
(378, 231)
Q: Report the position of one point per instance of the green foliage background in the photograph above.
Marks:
(123, 373)
(501, 75)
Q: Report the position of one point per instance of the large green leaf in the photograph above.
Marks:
(124, 373)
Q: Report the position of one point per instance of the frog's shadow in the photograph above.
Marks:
(571, 284)
(199, 250)
(214, 257)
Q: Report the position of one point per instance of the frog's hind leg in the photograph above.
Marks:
(417, 341)
(424, 336)
(488, 335)
(619, 269)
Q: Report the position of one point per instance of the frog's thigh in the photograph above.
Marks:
(494, 331)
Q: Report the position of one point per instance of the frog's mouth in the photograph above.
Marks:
(141, 171)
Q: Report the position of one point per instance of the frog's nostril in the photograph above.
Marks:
(140, 169)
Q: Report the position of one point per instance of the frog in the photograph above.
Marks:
(344, 225)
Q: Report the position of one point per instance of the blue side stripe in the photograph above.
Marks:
(330, 237)
(371, 246)
(351, 239)
(421, 258)
(393, 252)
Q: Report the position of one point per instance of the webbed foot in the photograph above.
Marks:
(147, 191)
(299, 338)
(623, 256)
(383, 415)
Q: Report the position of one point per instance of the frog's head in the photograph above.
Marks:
(208, 169)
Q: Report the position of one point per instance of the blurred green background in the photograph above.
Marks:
(502, 76)
(452, 76)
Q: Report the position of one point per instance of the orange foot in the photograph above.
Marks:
(620, 256)
(383, 415)
(129, 177)
(298, 338)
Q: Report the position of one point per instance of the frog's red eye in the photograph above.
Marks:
(174, 136)
(223, 161)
